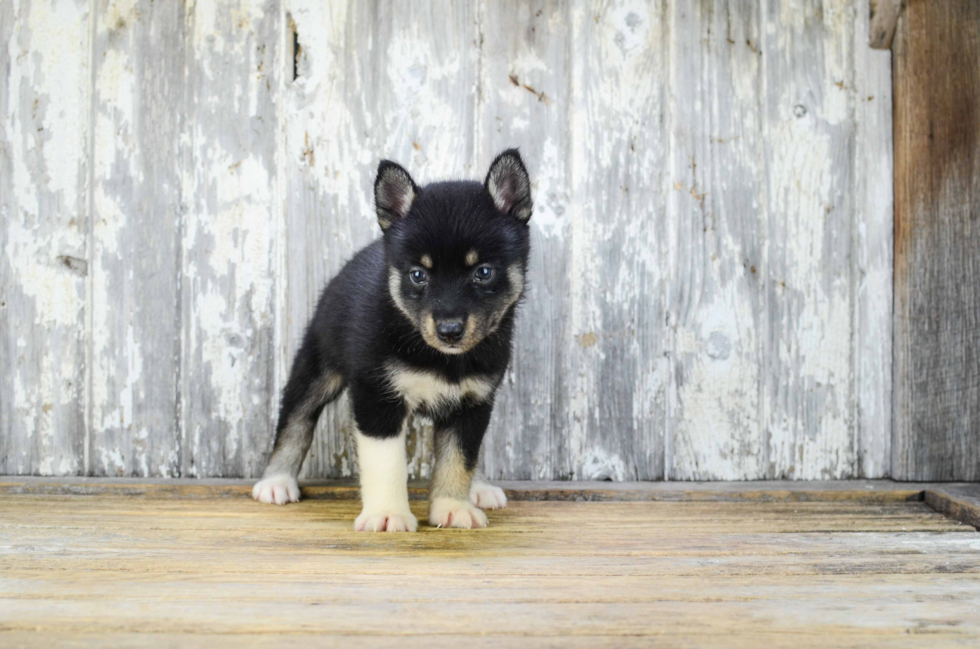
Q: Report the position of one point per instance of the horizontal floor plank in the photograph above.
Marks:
(664, 640)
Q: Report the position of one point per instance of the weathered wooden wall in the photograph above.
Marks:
(711, 283)
(937, 241)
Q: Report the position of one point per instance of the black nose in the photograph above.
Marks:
(450, 331)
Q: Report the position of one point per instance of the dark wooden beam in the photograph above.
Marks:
(958, 501)
(936, 70)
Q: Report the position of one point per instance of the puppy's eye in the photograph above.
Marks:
(418, 276)
(483, 274)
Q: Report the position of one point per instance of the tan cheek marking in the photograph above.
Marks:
(426, 261)
(472, 257)
(394, 289)
(471, 336)
(429, 325)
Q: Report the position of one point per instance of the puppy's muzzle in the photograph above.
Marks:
(450, 331)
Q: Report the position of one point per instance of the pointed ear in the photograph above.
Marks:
(394, 192)
(509, 186)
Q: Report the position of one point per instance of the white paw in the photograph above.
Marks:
(449, 512)
(486, 496)
(403, 521)
(277, 489)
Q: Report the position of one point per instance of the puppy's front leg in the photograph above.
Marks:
(458, 436)
(383, 463)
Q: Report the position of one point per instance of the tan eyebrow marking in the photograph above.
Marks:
(426, 261)
(472, 257)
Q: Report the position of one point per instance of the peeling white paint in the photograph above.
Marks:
(42, 243)
(32, 254)
(61, 27)
(597, 464)
(229, 247)
(700, 305)
(113, 463)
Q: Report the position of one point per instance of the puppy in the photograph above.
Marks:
(419, 321)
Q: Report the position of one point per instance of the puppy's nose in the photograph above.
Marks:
(450, 331)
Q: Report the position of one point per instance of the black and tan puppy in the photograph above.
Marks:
(419, 321)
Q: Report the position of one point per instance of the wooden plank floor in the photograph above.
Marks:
(200, 570)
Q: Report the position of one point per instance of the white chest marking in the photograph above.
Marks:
(420, 389)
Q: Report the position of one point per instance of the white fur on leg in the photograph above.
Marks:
(486, 496)
(276, 489)
(384, 485)
(449, 512)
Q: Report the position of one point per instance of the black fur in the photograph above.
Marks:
(359, 328)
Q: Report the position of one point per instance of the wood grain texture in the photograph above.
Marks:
(872, 229)
(322, 228)
(937, 242)
(617, 406)
(710, 287)
(229, 389)
(134, 317)
(960, 502)
(44, 168)
(810, 384)
(718, 240)
(781, 221)
(131, 570)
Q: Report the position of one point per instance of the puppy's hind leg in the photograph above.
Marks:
(485, 495)
(303, 399)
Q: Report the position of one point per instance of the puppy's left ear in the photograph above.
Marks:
(509, 186)
(394, 193)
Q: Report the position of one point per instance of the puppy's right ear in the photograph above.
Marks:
(394, 192)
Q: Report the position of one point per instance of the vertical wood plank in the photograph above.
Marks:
(228, 293)
(717, 209)
(937, 242)
(314, 97)
(44, 167)
(373, 80)
(524, 101)
(871, 271)
(139, 90)
(617, 403)
(323, 229)
(807, 56)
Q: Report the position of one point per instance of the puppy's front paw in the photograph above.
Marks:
(449, 512)
(277, 489)
(370, 521)
(486, 496)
